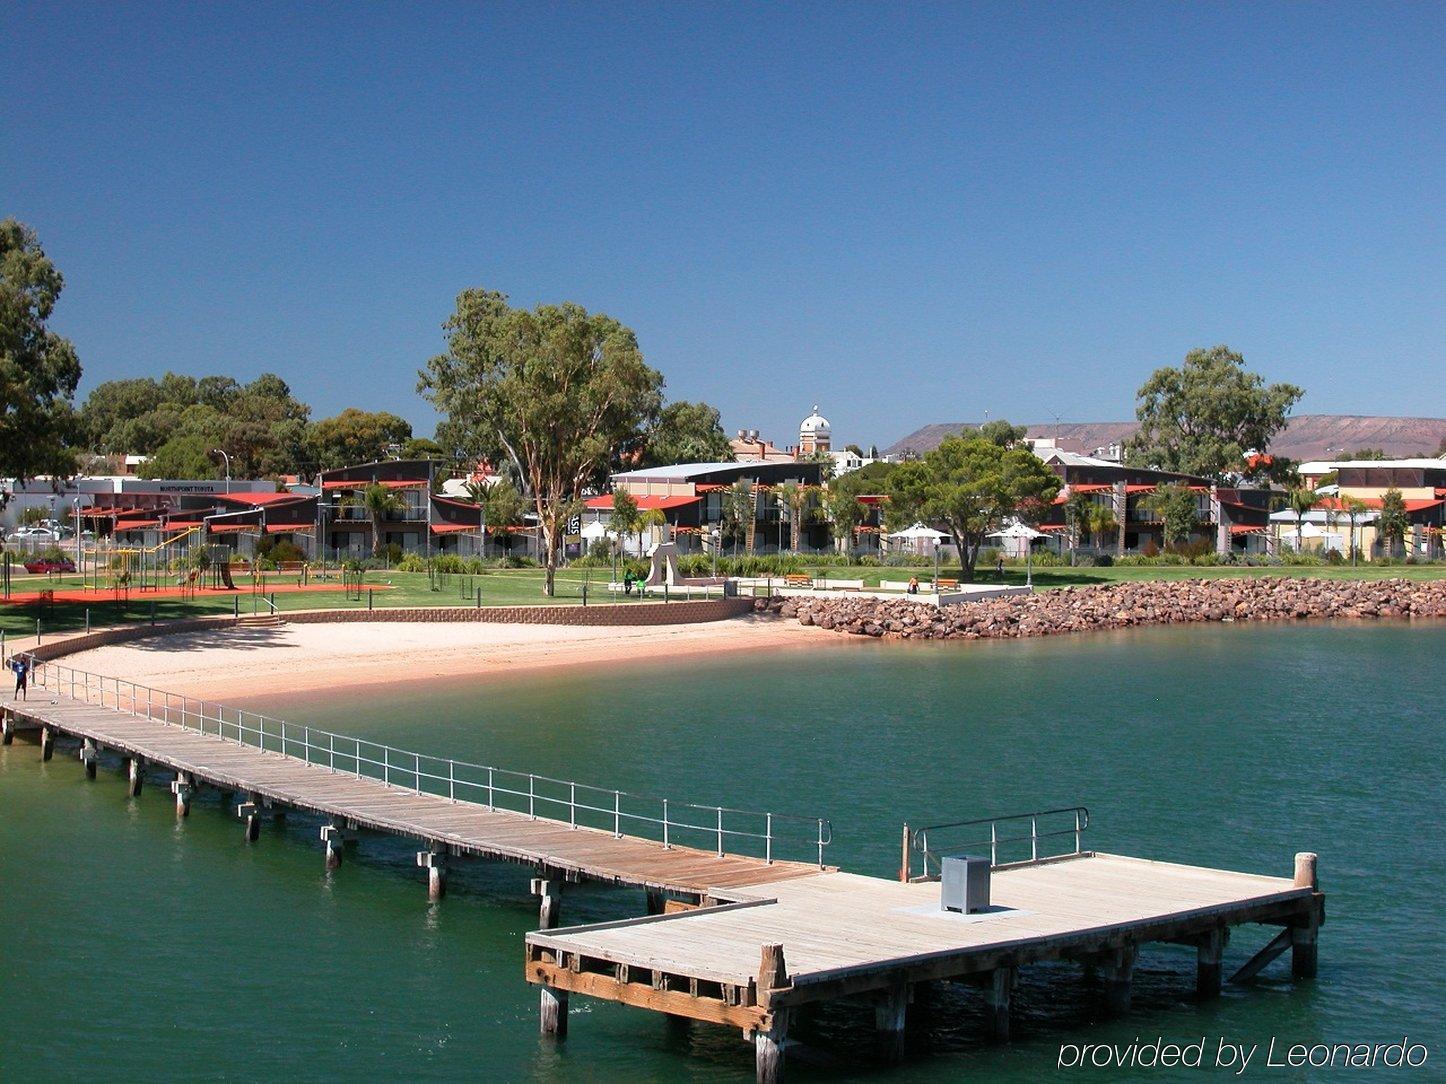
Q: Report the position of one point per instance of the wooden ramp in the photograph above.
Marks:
(556, 848)
(832, 935)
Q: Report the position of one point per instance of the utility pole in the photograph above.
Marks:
(227, 459)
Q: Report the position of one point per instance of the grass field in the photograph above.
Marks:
(514, 587)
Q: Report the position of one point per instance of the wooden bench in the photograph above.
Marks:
(798, 581)
(947, 584)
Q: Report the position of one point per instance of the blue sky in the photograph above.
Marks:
(906, 213)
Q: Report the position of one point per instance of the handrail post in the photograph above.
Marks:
(572, 804)
(617, 814)
(417, 771)
(532, 795)
(491, 797)
(331, 750)
(768, 841)
(1076, 832)
(994, 843)
(720, 831)
(665, 824)
(452, 780)
(386, 764)
(1033, 839)
(820, 843)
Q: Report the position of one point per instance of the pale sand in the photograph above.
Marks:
(233, 664)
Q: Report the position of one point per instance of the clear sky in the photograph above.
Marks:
(906, 213)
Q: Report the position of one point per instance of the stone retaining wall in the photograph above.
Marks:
(638, 614)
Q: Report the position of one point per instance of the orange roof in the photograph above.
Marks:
(1416, 506)
(1091, 487)
(255, 499)
(644, 503)
(1140, 489)
(455, 528)
(362, 483)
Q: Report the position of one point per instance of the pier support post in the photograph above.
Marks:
(553, 1012)
(89, 755)
(1208, 953)
(998, 996)
(183, 788)
(1303, 935)
(135, 769)
(334, 837)
(47, 743)
(768, 1041)
(768, 1049)
(250, 812)
(657, 902)
(549, 902)
(890, 1015)
(435, 863)
(7, 728)
(1117, 971)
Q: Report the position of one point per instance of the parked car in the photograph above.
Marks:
(33, 535)
(50, 564)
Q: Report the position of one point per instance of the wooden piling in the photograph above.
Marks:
(1305, 933)
(890, 1016)
(332, 836)
(250, 812)
(435, 863)
(657, 902)
(998, 996)
(89, 755)
(1117, 971)
(47, 743)
(768, 1040)
(7, 729)
(1208, 954)
(549, 902)
(552, 1008)
(135, 768)
(183, 788)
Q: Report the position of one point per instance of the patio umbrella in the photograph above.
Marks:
(919, 534)
(1020, 530)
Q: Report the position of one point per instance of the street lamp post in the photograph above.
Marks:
(227, 459)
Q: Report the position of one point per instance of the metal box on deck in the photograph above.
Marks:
(963, 883)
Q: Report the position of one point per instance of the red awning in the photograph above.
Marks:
(1416, 506)
(1245, 528)
(137, 524)
(234, 528)
(1091, 487)
(1140, 489)
(708, 487)
(644, 503)
(288, 528)
(1054, 526)
(362, 483)
(183, 524)
(456, 528)
(256, 499)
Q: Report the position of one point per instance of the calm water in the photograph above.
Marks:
(136, 946)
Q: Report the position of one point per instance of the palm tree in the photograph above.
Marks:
(1101, 521)
(380, 502)
(646, 521)
(739, 505)
(1301, 501)
(1077, 511)
(793, 497)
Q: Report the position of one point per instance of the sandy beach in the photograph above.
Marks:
(233, 664)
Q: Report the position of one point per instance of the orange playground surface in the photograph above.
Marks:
(107, 594)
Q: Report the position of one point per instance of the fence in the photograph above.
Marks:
(1000, 835)
(723, 829)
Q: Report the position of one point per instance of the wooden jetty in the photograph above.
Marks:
(745, 940)
(566, 831)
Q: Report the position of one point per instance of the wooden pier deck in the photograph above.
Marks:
(556, 849)
(834, 935)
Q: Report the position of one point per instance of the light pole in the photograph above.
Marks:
(227, 459)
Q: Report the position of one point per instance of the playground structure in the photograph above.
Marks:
(664, 570)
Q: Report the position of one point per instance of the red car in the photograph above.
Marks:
(45, 564)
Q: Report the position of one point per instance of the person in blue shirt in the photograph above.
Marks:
(21, 665)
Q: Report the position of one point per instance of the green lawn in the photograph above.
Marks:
(512, 587)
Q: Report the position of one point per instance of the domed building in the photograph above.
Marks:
(814, 434)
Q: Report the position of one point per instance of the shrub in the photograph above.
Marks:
(1149, 549)
(411, 562)
(1103, 560)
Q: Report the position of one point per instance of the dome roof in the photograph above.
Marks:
(814, 425)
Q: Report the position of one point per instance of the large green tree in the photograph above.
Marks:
(1393, 521)
(1178, 509)
(556, 389)
(38, 368)
(686, 433)
(182, 457)
(355, 436)
(1203, 417)
(971, 486)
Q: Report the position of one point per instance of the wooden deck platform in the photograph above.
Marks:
(555, 848)
(832, 935)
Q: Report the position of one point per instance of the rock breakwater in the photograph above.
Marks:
(1119, 606)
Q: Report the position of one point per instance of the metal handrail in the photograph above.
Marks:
(582, 804)
(916, 840)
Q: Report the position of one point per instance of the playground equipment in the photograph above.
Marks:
(351, 581)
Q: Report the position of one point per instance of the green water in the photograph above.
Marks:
(136, 946)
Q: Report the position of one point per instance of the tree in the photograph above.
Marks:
(793, 499)
(380, 503)
(854, 450)
(873, 451)
(1178, 509)
(1365, 454)
(647, 521)
(422, 448)
(1393, 522)
(1078, 511)
(1002, 433)
(624, 518)
(970, 485)
(556, 389)
(1203, 417)
(1301, 501)
(38, 368)
(503, 508)
(181, 457)
(686, 433)
(845, 512)
(1354, 509)
(355, 436)
(740, 507)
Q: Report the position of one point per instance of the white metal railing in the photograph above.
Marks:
(1041, 827)
(581, 805)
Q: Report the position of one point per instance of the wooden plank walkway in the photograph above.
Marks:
(554, 847)
(827, 936)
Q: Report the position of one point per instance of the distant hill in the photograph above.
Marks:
(1307, 436)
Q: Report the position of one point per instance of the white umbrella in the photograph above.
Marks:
(919, 531)
(1021, 530)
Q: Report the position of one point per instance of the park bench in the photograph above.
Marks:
(946, 584)
(798, 581)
